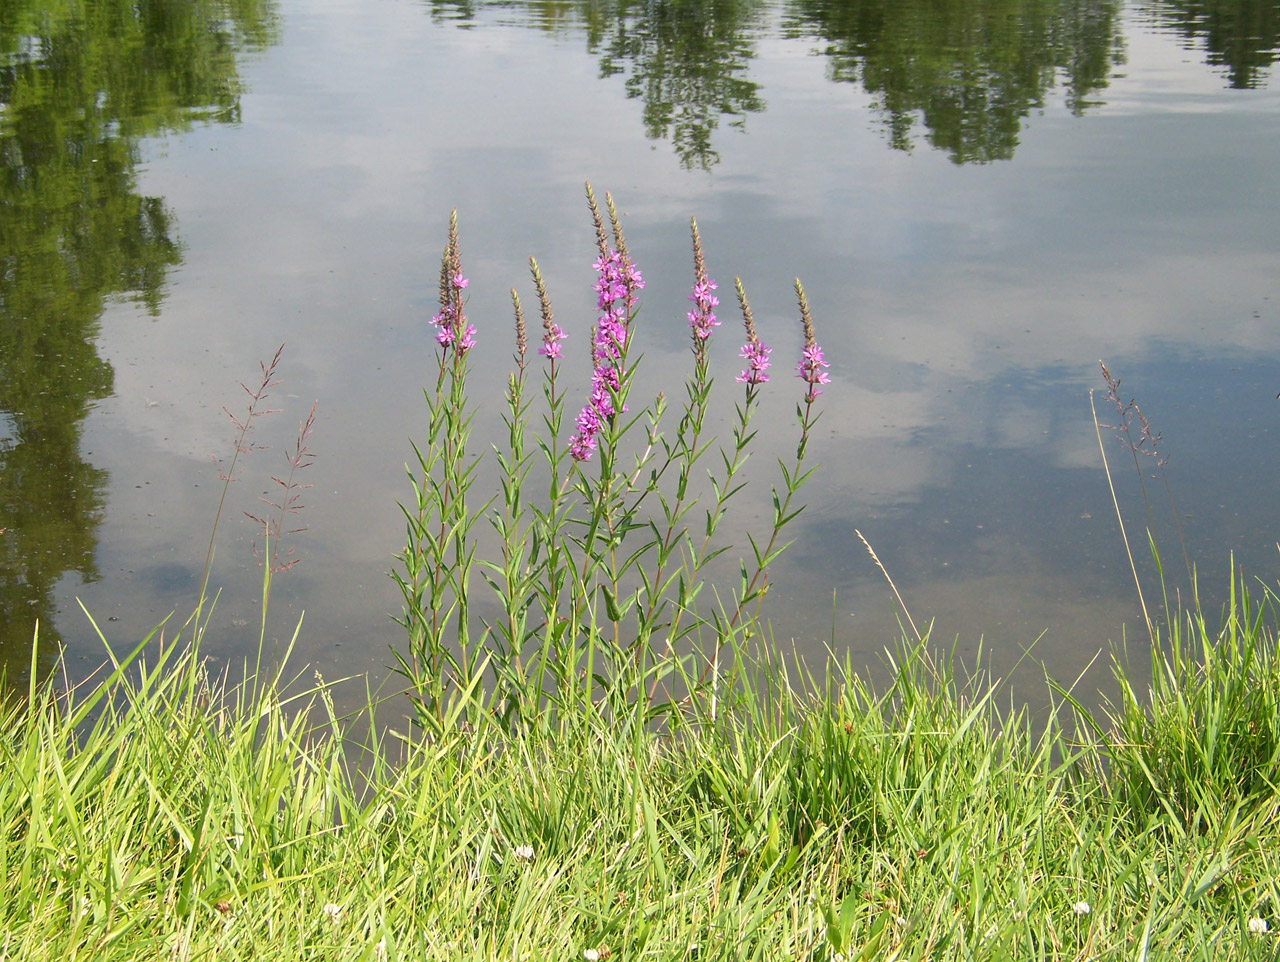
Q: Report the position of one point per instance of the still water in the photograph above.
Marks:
(982, 197)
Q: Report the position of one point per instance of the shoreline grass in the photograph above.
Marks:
(168, 813)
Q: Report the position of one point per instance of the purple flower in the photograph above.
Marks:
(445, 322)
(615, 289)
(812, 362)
(810, 370)
(703, 320)
(551, 338)
(757, 357)
(451, 322)
(582, 446)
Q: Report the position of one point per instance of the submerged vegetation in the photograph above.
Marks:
(596, 757)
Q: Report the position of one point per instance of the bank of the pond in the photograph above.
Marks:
(166, 814)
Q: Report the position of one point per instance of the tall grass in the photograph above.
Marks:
(162, 812)
(1200, 747)
(1199, 744)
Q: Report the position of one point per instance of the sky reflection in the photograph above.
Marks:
(964, 307)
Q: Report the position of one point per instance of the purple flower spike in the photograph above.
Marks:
(703, 320)
(551, 338)
(452, 329)
(615, 287)
(582, 446)
(757, 357)
(810, 370)
(451, 322)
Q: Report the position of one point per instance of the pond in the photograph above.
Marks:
(983, 199)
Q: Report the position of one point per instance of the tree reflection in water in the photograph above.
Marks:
(1240, 35)
(80, 84)
(968, 71)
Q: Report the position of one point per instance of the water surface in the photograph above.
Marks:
(983, 198)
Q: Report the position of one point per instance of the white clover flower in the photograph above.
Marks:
(332, 912)
(1257, 926)
(591, 955)
(524, 853)
(1081, 908)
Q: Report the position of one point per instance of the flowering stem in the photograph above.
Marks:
(811, 370)
(555, 653)
(687, 450)
(515, 573)
(439, 549)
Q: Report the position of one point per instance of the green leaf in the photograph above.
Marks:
(611, 604)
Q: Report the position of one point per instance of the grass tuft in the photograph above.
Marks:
(165, 812)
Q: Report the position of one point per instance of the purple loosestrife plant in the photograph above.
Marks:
(702, 319)
(514, 578)
(522, 337)
(552, 334)
(599, 586)
(810, 369)
(812, 366)
(658, 616)
(753, 588)
(600, 565)
(452, 329)
(553, 660)
(439, 546)
(753, 352)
